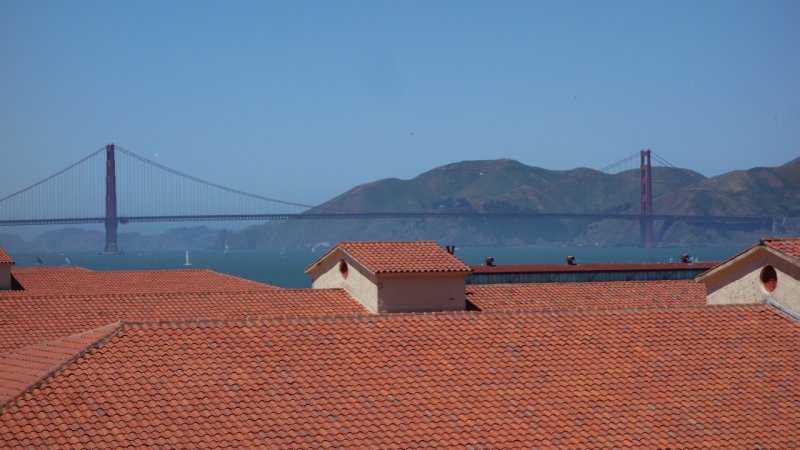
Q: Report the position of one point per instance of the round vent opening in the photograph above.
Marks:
(769, 278)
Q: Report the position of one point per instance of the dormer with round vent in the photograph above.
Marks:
(767, 271)
(394, 276)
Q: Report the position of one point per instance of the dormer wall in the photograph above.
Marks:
(357, 281)
(415, 292)
(5, 277)
(5, 270)
(743, 282)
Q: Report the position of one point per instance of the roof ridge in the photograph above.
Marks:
(391, 241)
(151, 294)
(74, 335)
(611, 282)
(25, 268)
(26, 368)
(258, 320)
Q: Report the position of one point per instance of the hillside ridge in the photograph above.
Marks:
(506, 185)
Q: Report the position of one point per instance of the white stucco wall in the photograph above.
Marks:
(360, 284)
(741, 283)
(5, 276)
(421, 292)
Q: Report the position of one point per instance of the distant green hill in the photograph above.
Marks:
(509, 186)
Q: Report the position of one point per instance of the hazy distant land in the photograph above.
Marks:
(500, 186)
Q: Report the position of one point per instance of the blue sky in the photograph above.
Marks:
(302, 100)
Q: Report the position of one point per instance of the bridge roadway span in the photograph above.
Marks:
(761, 220)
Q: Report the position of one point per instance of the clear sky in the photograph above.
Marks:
(301, 100)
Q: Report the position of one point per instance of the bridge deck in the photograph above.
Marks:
(398, 215)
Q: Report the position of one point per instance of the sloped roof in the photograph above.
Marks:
(5, 258)
(31, 320)
(74, 280)
(586, 296)
(722, 377)
(788, 246)
(400, 256)
(25, 367)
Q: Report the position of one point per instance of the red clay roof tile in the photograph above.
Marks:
(25, 367)
(75, 280)
(580, 296)
(787, 246)
(30, 320)
(693, 377)
(402, 256)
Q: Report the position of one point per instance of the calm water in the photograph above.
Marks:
(286, 268)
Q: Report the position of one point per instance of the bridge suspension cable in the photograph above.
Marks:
(681, 171)
(208, 183)
(72, 192)
(622, 162)
(44, 180)
(147, 188)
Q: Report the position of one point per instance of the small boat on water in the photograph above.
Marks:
(188, 259)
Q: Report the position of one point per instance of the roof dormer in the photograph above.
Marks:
(767, 271)
(394, 276)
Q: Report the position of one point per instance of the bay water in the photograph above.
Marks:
(285, 268)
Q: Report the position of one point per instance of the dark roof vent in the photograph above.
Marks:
(489, 261)
(685, 258)
(570, 260)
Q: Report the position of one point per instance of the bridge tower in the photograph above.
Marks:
(646, 200)
(111, 203)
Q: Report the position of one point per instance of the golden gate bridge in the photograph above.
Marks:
(147, 191)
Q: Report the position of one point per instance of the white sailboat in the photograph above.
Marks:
(188, 259)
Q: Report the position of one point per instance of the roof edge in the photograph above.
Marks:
(784, 311)
(319, 260)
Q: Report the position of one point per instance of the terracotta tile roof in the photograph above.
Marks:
(720, 377)
(74, 280)
(403, 256)
(22, 369)
(582, 296)
(31, 320)
(787, 246)
(5, 258)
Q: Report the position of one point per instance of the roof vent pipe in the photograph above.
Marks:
(489, 261)
(570, 260)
